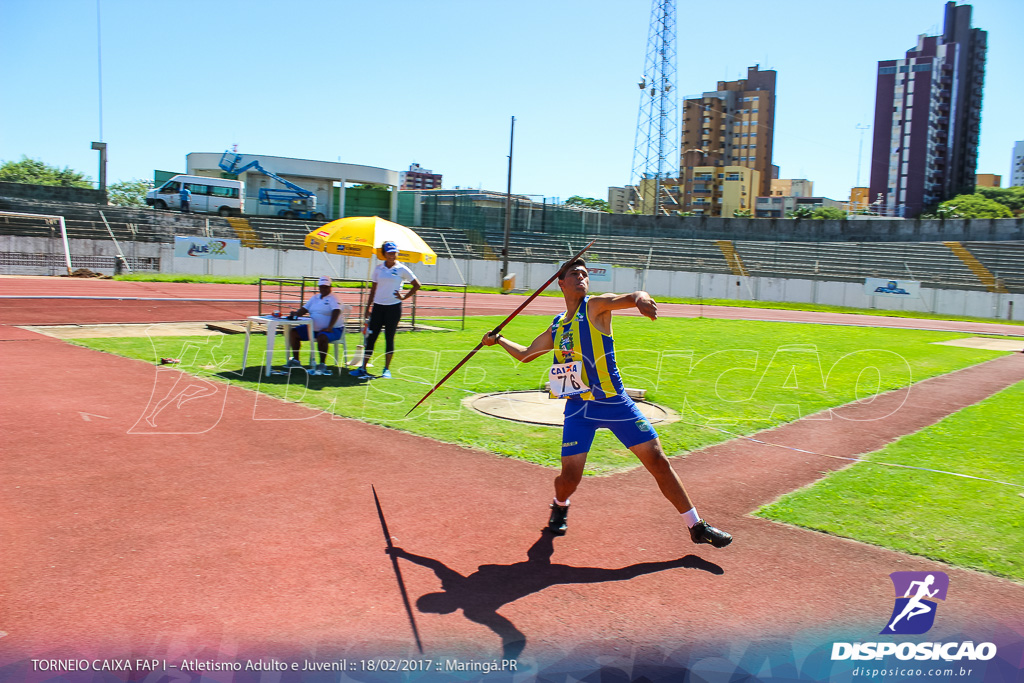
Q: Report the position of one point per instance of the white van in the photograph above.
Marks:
(209, 195)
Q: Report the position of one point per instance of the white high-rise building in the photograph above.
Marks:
(1017, 167)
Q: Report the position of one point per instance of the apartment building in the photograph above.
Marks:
(1017, 165)
(928, 118)
(619, 198)
(716, 190)
(419, 178)
(860, 197)
(732, 126)
(792, 187)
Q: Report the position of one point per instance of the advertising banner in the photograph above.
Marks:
(207, 247)
(900, 289)
(600, 272)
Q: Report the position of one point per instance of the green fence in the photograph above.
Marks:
(468, 213)
(362, 202)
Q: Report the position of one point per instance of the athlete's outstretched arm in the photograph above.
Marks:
(642, 301)
(442, 570)
(541, 345)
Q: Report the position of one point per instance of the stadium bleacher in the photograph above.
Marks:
(935, 264)
(90, 221)
(1005, 260)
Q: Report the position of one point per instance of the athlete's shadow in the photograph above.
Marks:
(481, 594)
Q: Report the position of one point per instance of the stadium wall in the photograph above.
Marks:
(529, 276)
(20, 197)
(53, 193)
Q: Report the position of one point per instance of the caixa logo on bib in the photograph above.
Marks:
(916, 596)
(913, 613)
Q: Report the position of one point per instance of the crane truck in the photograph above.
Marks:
(297, 202)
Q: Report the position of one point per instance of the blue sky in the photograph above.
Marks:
(391, 82)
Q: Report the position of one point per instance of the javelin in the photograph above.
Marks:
(504, 322)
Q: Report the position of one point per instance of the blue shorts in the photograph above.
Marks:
(332, 335)
(619, 414)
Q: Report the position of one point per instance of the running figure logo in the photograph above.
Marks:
(916, 595)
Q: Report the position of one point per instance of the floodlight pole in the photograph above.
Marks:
(508, 206)
(101, 147)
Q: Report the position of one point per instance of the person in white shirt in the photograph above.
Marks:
(386, 295)
(325, 310)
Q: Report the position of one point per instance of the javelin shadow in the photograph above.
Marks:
(481, 594)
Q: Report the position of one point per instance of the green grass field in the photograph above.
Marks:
(744, 376)
(963, 522)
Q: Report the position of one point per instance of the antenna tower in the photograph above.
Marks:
(860, 149)
(654, 153)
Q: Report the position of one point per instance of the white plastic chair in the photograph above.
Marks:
(343, 319)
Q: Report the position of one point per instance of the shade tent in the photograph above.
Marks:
(362, 237)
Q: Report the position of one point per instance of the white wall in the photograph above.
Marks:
(14, 246)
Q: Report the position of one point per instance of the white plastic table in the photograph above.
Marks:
(272, 324)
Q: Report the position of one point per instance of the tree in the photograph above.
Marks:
(1010, 197)
(129, 192)
(588, 203)
(35, 172)
(943, 213)
(742, 213)
(803, 211)
(828, 213)
(977, 206)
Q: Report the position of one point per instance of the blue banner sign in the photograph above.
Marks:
(900, 289)
(207, 247)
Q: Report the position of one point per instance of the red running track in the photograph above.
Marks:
(115, 301)
(224, 524)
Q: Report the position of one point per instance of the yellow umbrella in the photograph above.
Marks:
(362, 236)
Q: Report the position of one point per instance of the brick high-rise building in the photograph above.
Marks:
(928, 118)
(419, 178)
(732, 126)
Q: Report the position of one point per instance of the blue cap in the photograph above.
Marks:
(389, 247)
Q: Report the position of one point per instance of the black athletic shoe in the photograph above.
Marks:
(702, 532)
(556, 524)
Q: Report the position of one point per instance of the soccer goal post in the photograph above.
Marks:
(63, 231)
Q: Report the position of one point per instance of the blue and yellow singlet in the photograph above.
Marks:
(578, 339)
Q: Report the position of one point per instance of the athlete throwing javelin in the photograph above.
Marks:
(584, 372)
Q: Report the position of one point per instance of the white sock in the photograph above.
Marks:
(558, 502)
(691, 517)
